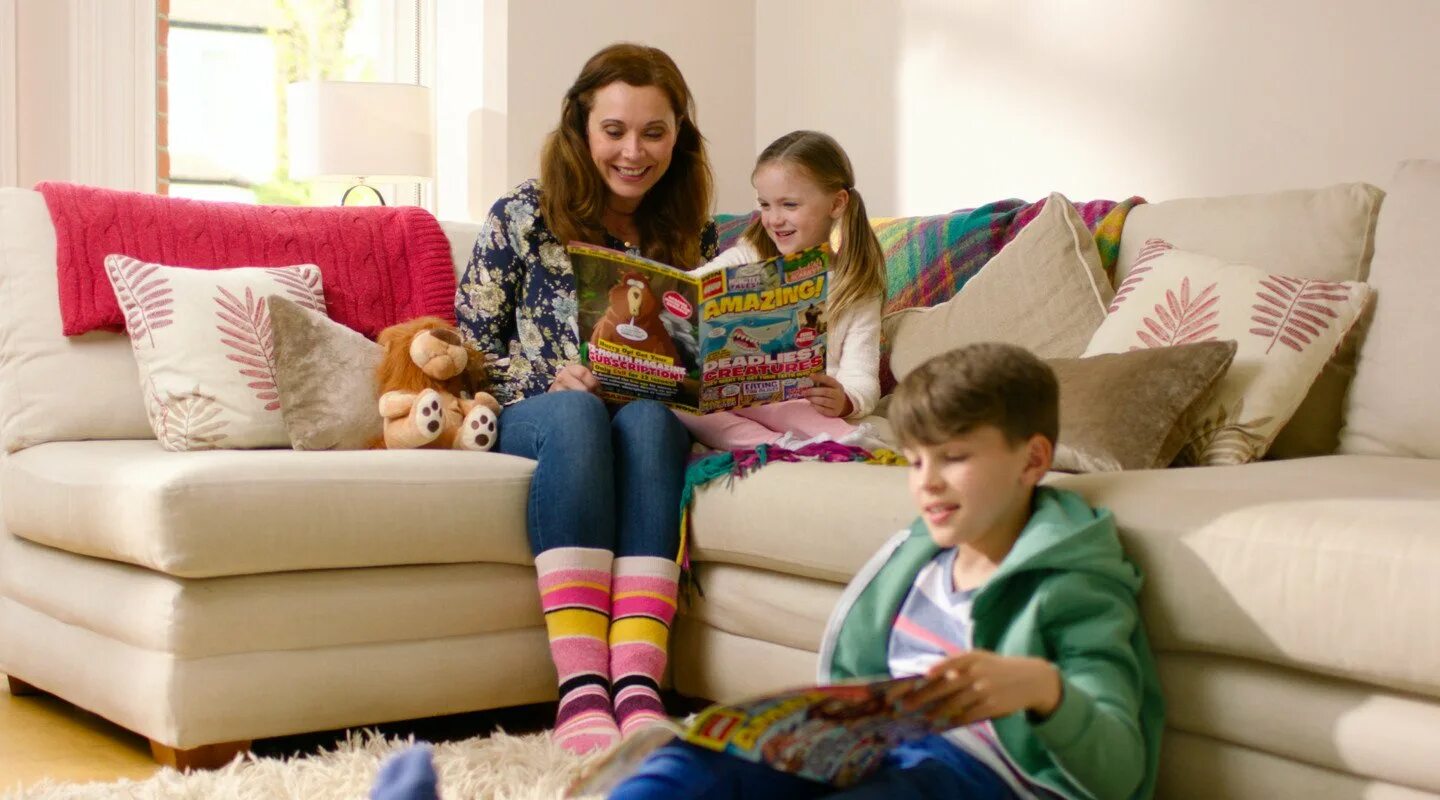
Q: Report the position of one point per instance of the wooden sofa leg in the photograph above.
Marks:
(210, 756)
(20, 688)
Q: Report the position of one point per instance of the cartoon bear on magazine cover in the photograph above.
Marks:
(633, 319)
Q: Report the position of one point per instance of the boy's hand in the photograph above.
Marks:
(979, 685)
(828, 396)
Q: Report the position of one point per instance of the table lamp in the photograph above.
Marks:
(357, 132)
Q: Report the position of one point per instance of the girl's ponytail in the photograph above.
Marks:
(859, 270)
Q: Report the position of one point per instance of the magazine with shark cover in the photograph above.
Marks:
(710, 340)
(836, 734)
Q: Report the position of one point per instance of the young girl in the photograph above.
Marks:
(805, 188)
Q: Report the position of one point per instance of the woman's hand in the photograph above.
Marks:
(828, 396)
(979, 685)
(575, 378)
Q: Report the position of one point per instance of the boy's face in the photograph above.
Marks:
(976, 486)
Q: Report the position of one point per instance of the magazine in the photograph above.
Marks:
(711, 340)
(836, 734)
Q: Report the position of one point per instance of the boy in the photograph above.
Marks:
(1015, 600)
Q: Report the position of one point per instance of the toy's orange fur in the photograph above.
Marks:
(399, 372)
(401, 381)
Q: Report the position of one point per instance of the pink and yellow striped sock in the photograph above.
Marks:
(575, 596)
(644, 606)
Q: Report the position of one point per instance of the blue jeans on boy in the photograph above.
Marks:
(605, 481)
(928, 768)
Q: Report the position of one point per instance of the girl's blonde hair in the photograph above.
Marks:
(859, 269)
(673, 214)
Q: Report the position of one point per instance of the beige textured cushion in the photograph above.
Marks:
(206, 350)
(1314, 233)
(40, 369)
(1044, 291)
(239, 512)
(326, 376)
(1323, 233)
(1123, 410)
(1395, 400)
(1286, 327)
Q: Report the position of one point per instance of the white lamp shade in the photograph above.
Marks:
(344, 130)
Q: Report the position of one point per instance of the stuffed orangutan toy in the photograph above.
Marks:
(430, 385)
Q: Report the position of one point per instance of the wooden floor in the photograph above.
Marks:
(44, 737)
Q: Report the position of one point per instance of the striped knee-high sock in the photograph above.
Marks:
(644, 606)
(575, 596)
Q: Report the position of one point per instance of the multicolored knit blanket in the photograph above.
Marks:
(929, 259)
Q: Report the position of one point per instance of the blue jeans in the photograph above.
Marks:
(929, 768)
(602, 481)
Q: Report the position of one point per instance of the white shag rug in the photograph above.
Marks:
(495, 767)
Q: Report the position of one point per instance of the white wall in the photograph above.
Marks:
(9, 89)
(950, 103)
(712, 43)
(85, 92)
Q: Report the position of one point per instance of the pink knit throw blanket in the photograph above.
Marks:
(379, 265)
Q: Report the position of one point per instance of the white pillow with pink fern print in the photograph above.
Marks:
(1285, 329)
(205, 350)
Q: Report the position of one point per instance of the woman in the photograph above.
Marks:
(625, 168)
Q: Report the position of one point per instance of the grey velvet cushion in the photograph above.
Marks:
(1123, 411)
(326, 377)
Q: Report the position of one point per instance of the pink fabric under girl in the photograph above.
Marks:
(379, 265)
(747, 428)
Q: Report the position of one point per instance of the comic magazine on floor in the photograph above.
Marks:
(711, 340)
(835, 734)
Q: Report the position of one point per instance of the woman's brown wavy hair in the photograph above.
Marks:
(674, 212)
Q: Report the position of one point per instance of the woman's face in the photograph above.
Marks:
(632, 132)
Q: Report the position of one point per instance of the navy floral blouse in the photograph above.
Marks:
(517, 296)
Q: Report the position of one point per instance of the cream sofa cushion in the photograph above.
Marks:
(1339, 725)
(1395, 400)
(54, 388)
(277, 611)
(1325, 563)
(1044, 291)
(230, 512)
(462, 236)
(188, 702)
(1337, 578)
(1323, 233)
(782, 523)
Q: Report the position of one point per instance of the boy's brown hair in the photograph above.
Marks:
(982, 384)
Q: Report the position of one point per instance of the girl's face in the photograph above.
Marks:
(797, 213)
(631, 132)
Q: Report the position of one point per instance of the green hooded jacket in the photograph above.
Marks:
(1064, 593)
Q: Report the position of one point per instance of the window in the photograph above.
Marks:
(223, 69)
